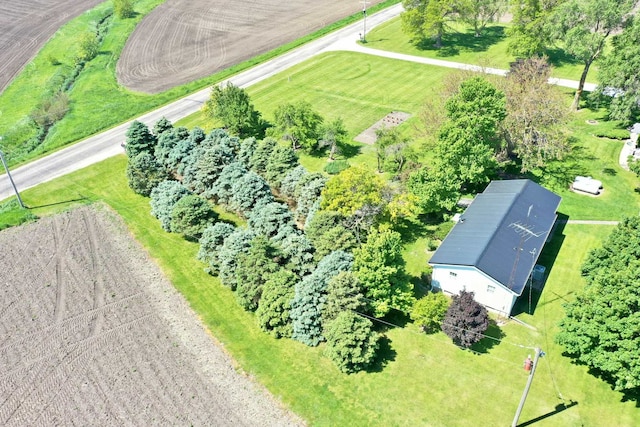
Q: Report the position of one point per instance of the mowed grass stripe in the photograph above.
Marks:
(359, 88)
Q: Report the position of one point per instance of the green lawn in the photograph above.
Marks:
(461, 45)
(421, 380)
(359, 88)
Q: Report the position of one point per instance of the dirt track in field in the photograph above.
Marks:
(92, 334)
(183, 40)
(26, 25)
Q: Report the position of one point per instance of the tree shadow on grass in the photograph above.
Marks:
(384, 355)
(457, 42)
(629, 395)
(493, 336)
(558, 58)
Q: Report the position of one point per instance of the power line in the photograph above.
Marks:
(433, 338)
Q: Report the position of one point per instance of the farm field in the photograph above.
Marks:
(25, 26)
(184, 40)
(95, 335)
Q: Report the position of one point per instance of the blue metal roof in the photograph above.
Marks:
(502, 232)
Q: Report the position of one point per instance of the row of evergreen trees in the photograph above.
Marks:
(273, 267)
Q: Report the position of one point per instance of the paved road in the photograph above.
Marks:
(107, 144)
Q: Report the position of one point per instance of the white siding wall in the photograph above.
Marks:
(454, 278)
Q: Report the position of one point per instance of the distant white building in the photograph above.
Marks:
(496, 243)
(635, 131)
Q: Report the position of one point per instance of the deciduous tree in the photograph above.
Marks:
(352, 189)
(332, 136)
(528, 35)
(619, 71)
(232, 106)
(425, 19)
(299, 124)
(479, 13)
(601, 325)
(536, 114)
(583, 26)
(379, 267)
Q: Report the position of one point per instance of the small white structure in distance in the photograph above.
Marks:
(635, 131)
(587, 184)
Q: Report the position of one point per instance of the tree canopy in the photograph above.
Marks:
(619, 71)
(583, 27)
(351, 342)
(352, 189)
(299, 124)
(601, 326)
(379, 267)
(232, 106)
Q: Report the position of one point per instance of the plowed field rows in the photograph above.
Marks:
(25, 25)
(92, 334)
(183, 40)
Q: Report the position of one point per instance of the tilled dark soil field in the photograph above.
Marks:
(91, 333)
(183, 40)
(25, 26)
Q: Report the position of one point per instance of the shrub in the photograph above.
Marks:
(429, 311)
(335, 167)
(123, 8)
(466, 320)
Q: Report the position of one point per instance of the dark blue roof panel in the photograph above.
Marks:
(502, 232)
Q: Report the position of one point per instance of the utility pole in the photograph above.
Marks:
(539, 354)
(13, 184)
(364, 22)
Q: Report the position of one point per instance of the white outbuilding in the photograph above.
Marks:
(493, 248)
